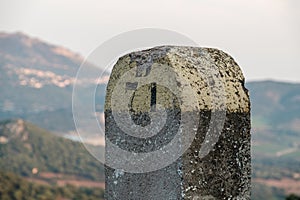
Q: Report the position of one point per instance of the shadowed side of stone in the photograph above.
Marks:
(160, 184)
(223, 170)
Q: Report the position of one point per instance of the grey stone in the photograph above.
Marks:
(206, 169)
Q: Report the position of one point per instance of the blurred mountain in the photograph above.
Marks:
(275, 119)
(30, 151)
(277, 103)
(275, 136)
(36, 81)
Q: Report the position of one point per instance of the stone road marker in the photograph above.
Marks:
(177, 124)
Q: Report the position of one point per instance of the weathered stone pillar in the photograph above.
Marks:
(177, 123)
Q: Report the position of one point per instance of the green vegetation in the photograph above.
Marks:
(13, 187)
(31, 147)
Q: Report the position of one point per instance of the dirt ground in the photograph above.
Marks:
(48, 178)
(289, 185)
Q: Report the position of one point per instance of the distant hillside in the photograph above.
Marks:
(16, 188)
(25, 147)
(36, 80)
(275, 137)
(276, 125)
(278, 103)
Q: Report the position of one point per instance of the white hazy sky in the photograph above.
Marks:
(262, 35)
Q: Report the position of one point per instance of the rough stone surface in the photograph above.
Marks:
(224, 173)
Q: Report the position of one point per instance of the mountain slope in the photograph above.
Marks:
(25, 147)
(275, 136)
(275, 121)
(277, 102)
(36, 78)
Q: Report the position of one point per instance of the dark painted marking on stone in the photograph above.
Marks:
(153, 97)
(131, 86)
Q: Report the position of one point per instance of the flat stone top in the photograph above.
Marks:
(215, 79)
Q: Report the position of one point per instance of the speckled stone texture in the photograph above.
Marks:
(225, 172)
